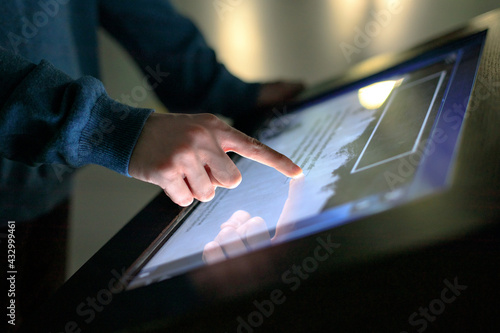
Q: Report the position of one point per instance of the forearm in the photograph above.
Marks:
(46, 117)
(160, 38)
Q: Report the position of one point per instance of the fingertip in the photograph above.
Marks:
(235, 181)
(235, 185)
(300, 175)
(297, 172)
(212, 253)
(207, 197)
(186, 203)
(210, 246)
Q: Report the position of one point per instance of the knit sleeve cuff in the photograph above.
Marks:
(110, 135)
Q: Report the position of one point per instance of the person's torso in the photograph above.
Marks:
(62, 32)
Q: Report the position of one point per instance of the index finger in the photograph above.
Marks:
(255, 150)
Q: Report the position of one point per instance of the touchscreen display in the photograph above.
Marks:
(365, 149)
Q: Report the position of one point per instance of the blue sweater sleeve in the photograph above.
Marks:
(47, 117)
(161, 40)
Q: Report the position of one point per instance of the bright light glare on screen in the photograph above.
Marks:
(373, 96)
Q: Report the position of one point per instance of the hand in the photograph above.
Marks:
(278, 92)
(243, 233)
(186, 156)
(238, 235)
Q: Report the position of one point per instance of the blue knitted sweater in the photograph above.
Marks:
(55, 115)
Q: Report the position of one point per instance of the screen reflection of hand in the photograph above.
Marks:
(243, 233)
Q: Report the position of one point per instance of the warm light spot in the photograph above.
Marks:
(346, 15)
(374, 96)
(240, 36)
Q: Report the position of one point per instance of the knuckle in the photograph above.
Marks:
(281, 158)
(182, 154)
(197, 133)
(256, 146)
(183, 147)
(214, 123)
(208, 117)
(169, 173)
(167, 170)
(193, 130)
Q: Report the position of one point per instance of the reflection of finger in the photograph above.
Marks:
(288, 215)
(295, 190)
(255, 233)
(231, 242)
(213, 253)
(238, 218)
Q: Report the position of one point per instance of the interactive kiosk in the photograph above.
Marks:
(393, 226)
